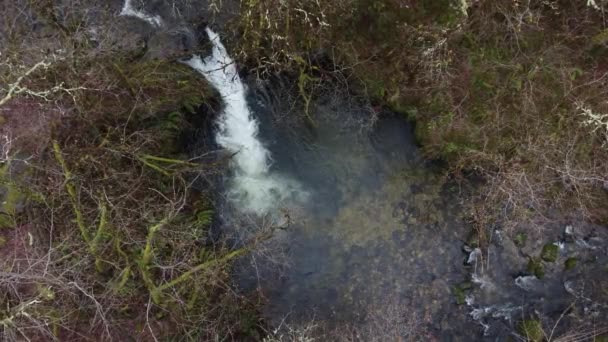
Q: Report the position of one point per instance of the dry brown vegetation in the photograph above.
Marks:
(511, 90)
(105, 226)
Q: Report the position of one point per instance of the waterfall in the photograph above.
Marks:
(253, 187)
(128, 10)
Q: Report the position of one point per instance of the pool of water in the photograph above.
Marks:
(378, 246)
(379, 230)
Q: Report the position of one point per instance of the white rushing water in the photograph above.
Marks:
(130, 11)
(254, 188)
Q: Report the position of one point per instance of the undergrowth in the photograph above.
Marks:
(103, 235)
(508, 90)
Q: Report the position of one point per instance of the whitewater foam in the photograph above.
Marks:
(254, 188)
(129, 11)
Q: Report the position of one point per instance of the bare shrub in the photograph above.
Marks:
(113, 240)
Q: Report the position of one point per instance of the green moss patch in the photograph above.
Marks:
(550, 252)
(570, 264)
(536, 267)
(460, 292)
(520, 239)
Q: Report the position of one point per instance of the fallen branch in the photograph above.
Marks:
(168, 160)
(206, 265)
(15, 88)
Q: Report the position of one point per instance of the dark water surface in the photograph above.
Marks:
(378, 231)
(380, 241)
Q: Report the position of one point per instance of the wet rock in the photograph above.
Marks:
(587, 244)
(482, 281)
(528, 283)
(499, 236)
(473, 256)
(573, 288)
(569, 233)
(177, 43)
(579, 255)
(504, 312)
(510, 256)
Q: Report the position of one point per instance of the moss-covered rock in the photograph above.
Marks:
(520, 239)
(459, 295)
(459, 291)
(570, 263)
(536, 267)
(550, 252)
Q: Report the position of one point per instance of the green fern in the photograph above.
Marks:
(191, 104)
(204, 217)
(172, 124)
